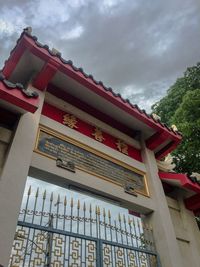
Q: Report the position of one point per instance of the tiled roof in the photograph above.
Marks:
(27, 31)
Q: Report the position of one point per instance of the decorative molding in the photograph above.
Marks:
(174, 127)
(26, 92)
(156, 117)
(167, 165)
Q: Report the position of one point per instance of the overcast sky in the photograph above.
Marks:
(138, 47)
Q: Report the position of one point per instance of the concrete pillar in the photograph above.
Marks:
(160, 219)
(13, 178)
(191, 227)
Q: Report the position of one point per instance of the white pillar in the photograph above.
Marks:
(160, 219)
(13, 178)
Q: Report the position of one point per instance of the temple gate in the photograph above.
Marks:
(60, 125)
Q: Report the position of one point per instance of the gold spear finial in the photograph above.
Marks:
(124, 218)
(44, 194)
(138, 223)
(29, 190)
(72, 202)
(65, 201)
(109, 214)
(99, 211)
(37, 192)
(84, 207)
(78, 204)
(104, 213)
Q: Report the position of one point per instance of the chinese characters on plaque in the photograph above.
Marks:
(71, 121)
(98, 135)
(122, 146)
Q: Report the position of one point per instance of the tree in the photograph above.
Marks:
(187, 119)
(181, 106)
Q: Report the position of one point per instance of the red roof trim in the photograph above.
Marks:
(166, 149)
(14, 58)
(15, 97)
(182, 178)
(97, 87)
(192, 203)
(156, 140)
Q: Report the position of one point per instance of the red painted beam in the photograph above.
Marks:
(90, 110)
(193, 202)
(166, 149)
(182, 178)
(15, 97)
(87, 129)
(45, 75)
(156, 140)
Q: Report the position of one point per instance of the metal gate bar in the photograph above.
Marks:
(56, 234)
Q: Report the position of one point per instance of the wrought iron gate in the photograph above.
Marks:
(70, 234)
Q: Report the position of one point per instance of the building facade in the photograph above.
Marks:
(59, 124)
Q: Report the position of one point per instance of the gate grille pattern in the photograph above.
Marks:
(53, 232)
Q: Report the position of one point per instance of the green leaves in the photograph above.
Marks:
(181, 107)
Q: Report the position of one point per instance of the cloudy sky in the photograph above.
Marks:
(138, 47)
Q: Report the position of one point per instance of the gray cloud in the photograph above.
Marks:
(137, 47)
